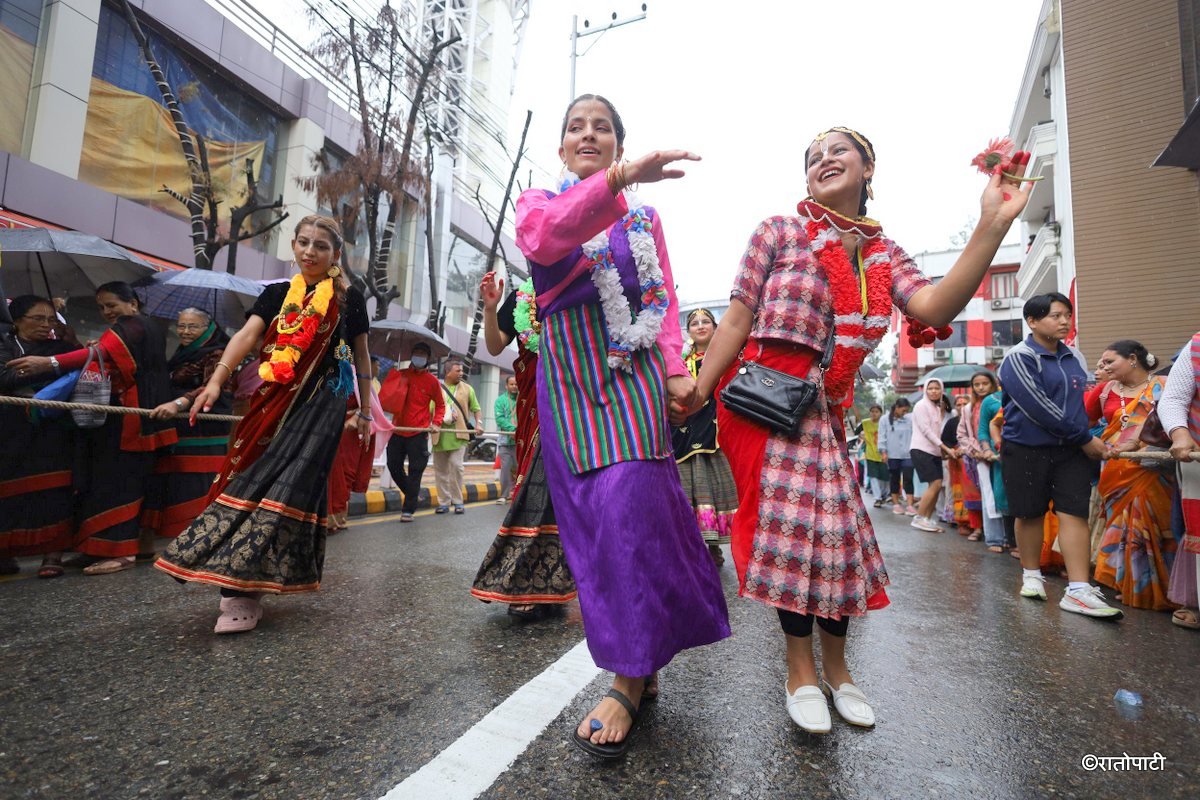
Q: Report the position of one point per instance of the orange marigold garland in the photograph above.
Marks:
(297, 325)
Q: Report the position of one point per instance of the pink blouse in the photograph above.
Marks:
(550, 228)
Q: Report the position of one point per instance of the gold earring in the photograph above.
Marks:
(334, 271)
(870, 191)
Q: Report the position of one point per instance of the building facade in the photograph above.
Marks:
(85, 142)
(1106, 87)
(989, 325)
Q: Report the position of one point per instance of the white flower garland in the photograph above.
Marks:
(627, 333)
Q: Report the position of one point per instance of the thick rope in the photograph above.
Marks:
(145, 412)
(140, 412)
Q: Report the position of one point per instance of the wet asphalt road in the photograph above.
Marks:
(115, 687)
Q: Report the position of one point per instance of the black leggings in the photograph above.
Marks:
(896, 473)
(802, 624)
(237, 593)
(1010, 530)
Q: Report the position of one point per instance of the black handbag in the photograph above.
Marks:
(774, 399)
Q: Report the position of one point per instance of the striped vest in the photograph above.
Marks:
(603, 416)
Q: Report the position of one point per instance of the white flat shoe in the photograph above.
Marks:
(809, 709)
(852, 705)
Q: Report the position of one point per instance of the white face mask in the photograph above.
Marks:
(419, 362)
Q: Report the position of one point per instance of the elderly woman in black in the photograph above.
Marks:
(117, 457)
(178, 490)
(35, 460)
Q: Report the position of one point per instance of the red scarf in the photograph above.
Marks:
(857, 333)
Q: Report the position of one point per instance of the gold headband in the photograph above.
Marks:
(853, 134)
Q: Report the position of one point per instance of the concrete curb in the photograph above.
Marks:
(384, 501)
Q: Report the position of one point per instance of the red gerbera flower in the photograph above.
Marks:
(997, 153)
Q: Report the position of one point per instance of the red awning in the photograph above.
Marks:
(11, 219)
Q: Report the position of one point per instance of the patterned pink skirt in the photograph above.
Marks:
(802, 540)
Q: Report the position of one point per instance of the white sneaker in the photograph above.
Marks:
(1090, 602)
(852, 705)
(1033, 586)
(809, 709)
(923, 524)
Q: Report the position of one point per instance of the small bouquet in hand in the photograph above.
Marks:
(999, 153)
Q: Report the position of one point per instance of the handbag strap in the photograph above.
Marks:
(827, 356)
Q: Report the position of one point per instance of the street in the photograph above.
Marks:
(116, 687)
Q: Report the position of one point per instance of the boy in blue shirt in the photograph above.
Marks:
(1049, 452)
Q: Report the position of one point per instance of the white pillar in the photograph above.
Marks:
(62, 79)
(302, 140)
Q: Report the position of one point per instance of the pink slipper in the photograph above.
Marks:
(238, 614)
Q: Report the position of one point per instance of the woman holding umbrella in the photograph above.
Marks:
(119, 456)
(177, 492)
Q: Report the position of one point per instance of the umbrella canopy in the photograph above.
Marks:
(224, 297)
(956, 375)
(394, 339)
(869, 372)
(63, 263)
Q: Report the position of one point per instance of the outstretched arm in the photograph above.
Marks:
(1003, 200)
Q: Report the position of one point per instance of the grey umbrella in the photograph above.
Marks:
(394, 339)
(63, 263)
(955, 375)
(224, 297)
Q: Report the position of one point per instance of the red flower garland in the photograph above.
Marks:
(857, 333)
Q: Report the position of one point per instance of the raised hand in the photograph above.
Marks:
(491, 289)
(1005, 196)
(652, 167)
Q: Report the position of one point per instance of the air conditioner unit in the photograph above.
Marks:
(942, 353)
(996, 354)
(1002, 302)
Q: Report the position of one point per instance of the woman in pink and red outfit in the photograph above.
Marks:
(801, 538)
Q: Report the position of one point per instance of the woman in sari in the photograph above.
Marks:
(265, 525)
(1179, 412)
(1138, 545)
(116, 459)
(36, 498)
(703, 468)
(178, 490)
(608, 363)
(525, 567)
(955, 512)
(983, 383)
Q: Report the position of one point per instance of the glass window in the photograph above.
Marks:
(1004, 285)
(466, 267)
(1006, 333)
(130, 146)
(19, 24)
(957, 339)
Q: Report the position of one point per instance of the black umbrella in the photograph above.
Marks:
(63, 263)
(394, 339)
(224, 297)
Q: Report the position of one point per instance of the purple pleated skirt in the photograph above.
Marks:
(647, 585)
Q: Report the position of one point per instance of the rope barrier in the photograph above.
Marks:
(1153, 455)
(140, 412)
(145, 412)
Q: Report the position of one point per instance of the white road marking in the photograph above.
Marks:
(465, 769)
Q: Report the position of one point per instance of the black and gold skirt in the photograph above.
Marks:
(266, 531)
(525, 563)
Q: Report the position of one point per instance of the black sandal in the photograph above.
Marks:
(615, 749)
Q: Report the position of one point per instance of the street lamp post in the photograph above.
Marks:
(576, 35)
